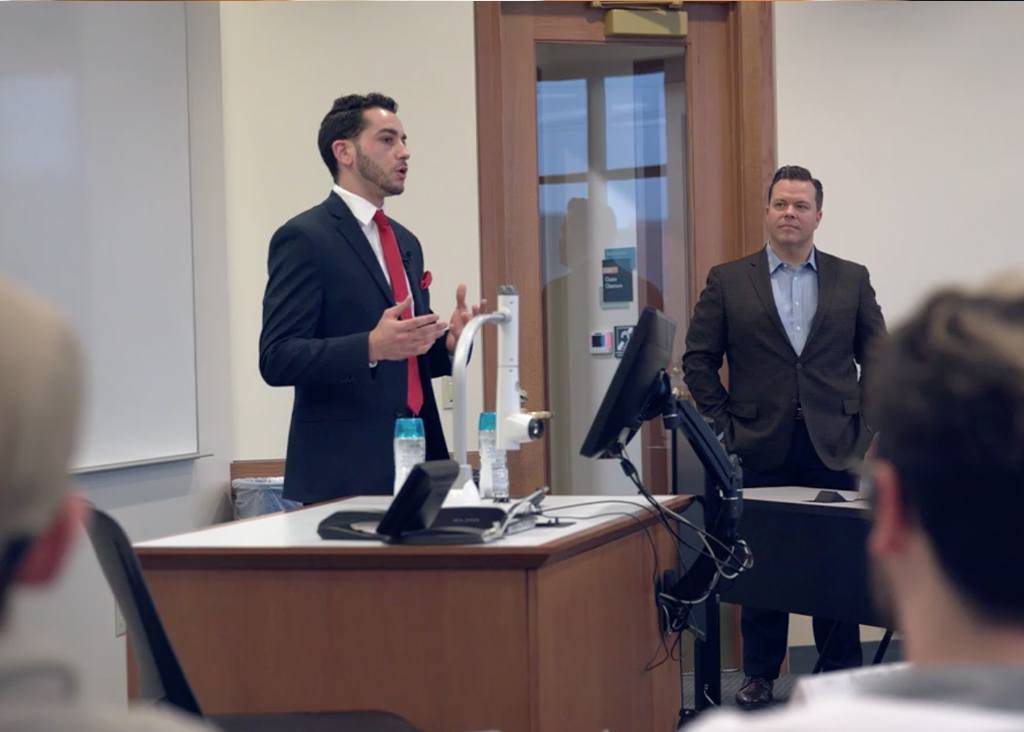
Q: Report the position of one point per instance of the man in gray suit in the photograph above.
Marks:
(794, 324)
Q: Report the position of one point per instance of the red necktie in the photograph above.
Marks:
(396, 272)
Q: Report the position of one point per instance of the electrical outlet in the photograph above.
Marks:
(447, 392)
(120, 627)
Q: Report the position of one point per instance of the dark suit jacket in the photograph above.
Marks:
(325, 292)
(736, 317)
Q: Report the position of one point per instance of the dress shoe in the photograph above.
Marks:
(755, 692)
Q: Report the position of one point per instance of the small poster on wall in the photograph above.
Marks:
(622, 335)
(617, 277)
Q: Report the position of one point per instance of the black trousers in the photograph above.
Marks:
(765, 632)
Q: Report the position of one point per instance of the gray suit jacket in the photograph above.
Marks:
(736, 317)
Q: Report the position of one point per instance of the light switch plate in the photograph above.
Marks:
(447, 392)
(601, 342)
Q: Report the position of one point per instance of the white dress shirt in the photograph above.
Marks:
(363, 210)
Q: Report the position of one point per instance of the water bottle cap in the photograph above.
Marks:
(408, 428)
(488, 422)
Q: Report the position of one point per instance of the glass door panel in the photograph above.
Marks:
(611, 169)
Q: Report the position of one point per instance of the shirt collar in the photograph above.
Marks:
(774, 262)
(362, 209)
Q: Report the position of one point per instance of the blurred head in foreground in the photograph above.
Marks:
(40, 395)
(947, 476)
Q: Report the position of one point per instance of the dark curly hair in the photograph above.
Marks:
(345, 121)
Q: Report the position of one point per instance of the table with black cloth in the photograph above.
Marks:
(809, 558)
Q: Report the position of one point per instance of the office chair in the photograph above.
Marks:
(161, 677)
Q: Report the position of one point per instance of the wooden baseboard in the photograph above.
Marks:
(275, 468)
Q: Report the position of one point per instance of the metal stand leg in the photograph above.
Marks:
(707, 659)
(819, 664)
(882, 647)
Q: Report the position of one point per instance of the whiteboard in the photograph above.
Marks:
(95, 209)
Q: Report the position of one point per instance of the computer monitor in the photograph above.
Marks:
(636, 382)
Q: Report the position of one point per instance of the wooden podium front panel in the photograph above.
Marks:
(597, 632)
(446, 649)
(532, 634)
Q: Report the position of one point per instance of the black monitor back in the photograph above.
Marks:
(622, 410)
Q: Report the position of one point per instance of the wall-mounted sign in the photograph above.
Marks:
(617, 268)
(622, 335)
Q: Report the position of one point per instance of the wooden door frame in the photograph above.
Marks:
(730, 99)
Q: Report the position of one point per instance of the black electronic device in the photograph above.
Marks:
(419, 501)
(416, 517)
(640, 390)
(629, 401)
(829, 497)
(414, 508)
(721, 468)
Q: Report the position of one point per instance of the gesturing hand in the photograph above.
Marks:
(396, 340)
(460, 316)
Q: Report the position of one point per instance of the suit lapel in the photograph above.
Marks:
(760, 277)
(352, 233)
(827, 277)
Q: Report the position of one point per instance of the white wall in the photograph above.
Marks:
(911, 116)
(283, 66)
(76, 616)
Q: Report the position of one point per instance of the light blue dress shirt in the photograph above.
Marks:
(796, 295)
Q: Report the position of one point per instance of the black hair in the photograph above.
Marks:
(795, 172)
(345, 121)
(948, 391)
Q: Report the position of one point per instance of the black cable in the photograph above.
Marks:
(649, 510)
(676, 622)
(664, 514)
(663, 646)
(672, 653)
(677, 617)
(741, 564)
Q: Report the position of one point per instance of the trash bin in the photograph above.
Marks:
(259, 496)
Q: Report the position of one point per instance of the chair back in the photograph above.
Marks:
(161, 677)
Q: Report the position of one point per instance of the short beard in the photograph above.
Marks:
(375, 174)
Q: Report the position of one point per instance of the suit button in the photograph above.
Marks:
(799, 367)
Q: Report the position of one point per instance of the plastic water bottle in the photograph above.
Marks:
(499, 470)
(493, 466)
(410, 448)
(486, 436)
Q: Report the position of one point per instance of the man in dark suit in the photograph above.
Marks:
(794, 324)
(346, 315)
